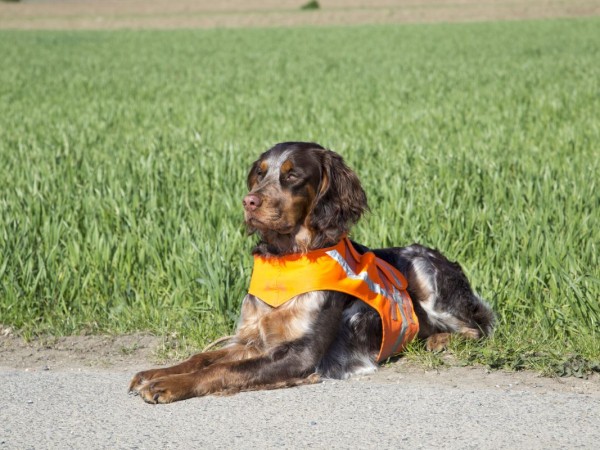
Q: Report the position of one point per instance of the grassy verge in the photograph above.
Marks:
(123, 159)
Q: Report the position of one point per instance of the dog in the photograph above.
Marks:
(302, 198)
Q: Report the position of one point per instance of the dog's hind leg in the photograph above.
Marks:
(440, 341)
(443, 299)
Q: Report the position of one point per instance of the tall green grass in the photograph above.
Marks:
(123, 158)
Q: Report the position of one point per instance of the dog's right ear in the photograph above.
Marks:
(341, 200)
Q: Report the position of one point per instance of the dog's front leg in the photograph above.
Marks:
(241, 349)
(276, 347)
(287, 365)
(192, 364)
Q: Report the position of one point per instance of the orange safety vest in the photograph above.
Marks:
(276, 280)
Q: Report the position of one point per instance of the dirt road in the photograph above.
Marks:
(112, 14)
(71, 393)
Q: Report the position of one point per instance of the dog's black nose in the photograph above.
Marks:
(251, 202)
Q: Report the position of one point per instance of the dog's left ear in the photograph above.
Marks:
(341, 200)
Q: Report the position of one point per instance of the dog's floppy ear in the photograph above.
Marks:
(341, 200)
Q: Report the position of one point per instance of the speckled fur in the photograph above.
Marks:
(303, 197)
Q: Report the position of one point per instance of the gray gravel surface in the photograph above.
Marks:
(88, 408)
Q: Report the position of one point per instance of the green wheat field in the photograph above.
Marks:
(123, 158)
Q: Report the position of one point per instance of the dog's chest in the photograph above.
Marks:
(266, 326)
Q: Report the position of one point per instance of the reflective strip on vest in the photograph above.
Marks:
(276, 280)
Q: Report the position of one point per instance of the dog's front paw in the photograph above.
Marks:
(140, 378)
(167, 389)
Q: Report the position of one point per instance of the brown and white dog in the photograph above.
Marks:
(303, 197)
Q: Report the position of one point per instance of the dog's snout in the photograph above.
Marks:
(251, 202)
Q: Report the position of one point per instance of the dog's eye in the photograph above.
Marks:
(292, 176)
(259, 172)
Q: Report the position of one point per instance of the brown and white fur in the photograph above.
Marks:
(303, 197)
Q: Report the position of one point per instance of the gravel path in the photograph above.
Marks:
(457, 408)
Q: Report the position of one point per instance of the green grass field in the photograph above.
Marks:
(123, 158)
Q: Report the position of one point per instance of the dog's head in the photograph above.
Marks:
(301, 197)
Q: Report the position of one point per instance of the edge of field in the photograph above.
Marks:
(133, 352)
(159, 14)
